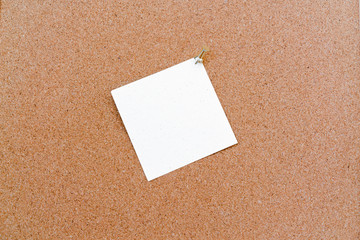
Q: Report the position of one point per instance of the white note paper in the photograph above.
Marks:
(173, 118)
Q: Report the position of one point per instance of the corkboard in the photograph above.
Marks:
(286, 73)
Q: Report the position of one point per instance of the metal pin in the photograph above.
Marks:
(199, 58)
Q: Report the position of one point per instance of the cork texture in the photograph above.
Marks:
(287, 75)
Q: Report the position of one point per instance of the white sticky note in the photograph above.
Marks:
(173, 118)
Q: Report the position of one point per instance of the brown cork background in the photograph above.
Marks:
(286, 72)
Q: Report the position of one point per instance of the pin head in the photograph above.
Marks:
(199, 58)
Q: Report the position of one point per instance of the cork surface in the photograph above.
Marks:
(287, 75)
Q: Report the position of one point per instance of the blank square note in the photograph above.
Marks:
(173, 118)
